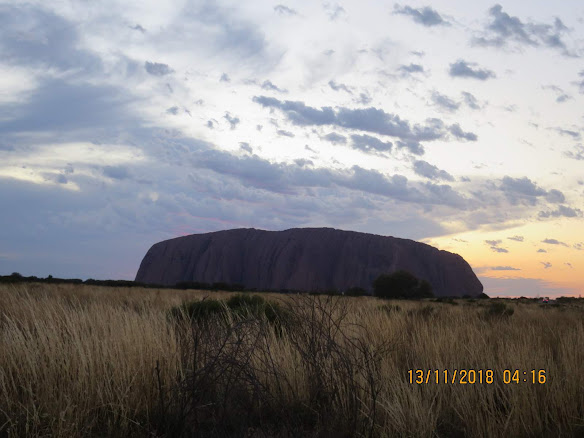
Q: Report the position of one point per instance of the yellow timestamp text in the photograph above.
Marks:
(476, 376)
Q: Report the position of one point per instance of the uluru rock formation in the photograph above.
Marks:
(303, 259)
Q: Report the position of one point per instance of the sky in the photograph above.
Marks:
(458, 124)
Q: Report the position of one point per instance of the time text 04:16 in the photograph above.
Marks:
(472, 377)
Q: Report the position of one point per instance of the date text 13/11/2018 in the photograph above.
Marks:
(472, 377)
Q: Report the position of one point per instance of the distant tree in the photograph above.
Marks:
(401, 284)
(356, 292)
(16, 274)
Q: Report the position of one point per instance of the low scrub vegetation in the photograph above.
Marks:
(78, 360)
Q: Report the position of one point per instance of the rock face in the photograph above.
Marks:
(303, 259)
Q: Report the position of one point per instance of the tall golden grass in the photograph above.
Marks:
(91, 361)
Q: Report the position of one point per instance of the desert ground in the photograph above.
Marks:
(78, 360)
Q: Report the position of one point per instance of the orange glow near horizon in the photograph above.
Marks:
(524, 259)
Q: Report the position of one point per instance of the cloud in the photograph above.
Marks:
(494, 244)
(81, 106)
(516, 238)
(578, 246)
(569, 133)
(457, 131)
(268, 85)
(339, 87)
(233, 121)
(427, 170)
(505, 29)
(283, 133)
(561, 211)
(410, 69)
(172, 110)
(504, 268)
(577, 154)
(569, 265)
(561, 96)
(425, 16)
(444, 102)
(37, 37)
(370, 119)
(553, 242)
(225, 78)
(333, 11)
(335, 138)
(138, 27)
(157, 69)
(555, 196)
(285, 10)
(463, 69)
(521, 190)
(470, 100)
(541, 250)
(546, 265)
(244, 146)
(369, 144)
(116, 172)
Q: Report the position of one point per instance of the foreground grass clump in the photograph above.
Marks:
(80, 360)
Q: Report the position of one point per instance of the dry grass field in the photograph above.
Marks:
(92, 361)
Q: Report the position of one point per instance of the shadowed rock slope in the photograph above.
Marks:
(303, 259)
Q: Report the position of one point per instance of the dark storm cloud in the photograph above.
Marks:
(444, 102)
(425, 16)
(233, 121)
(553, 242)
(516, 238)
(35, 37)
(427, 170)
(369, 144)
(339, 87)
(335, 138)
(505, 29)
(463, 69)
(561, 211)
(285, 10)
(457, 131)
(58, 105)
(157, 69)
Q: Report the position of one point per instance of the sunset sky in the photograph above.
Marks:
(455, 123)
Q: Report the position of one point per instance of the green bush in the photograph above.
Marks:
(401, 284)
(198, 310)
(499, 310)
